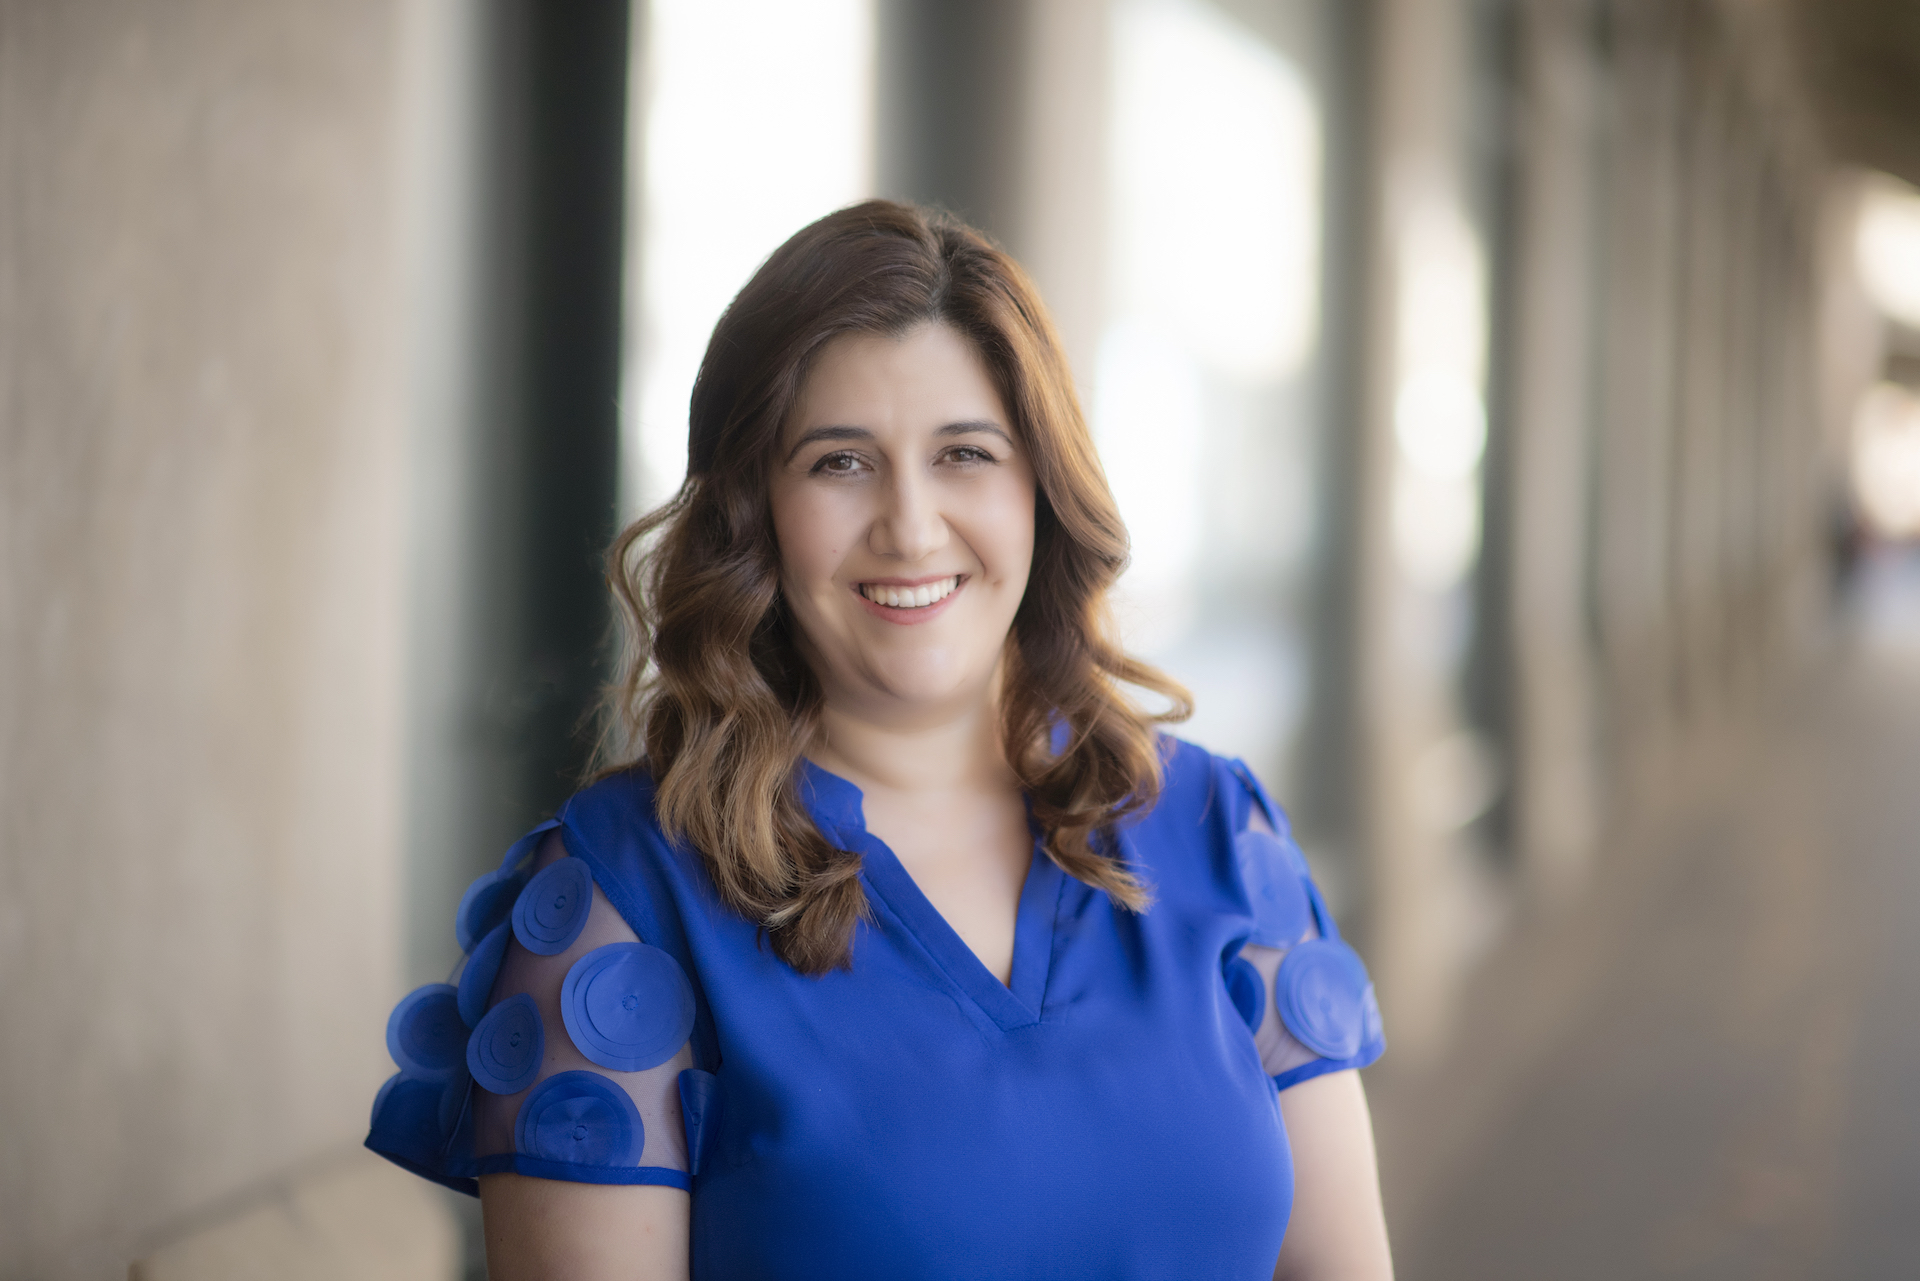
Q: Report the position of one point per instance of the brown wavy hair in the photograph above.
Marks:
(712, 696)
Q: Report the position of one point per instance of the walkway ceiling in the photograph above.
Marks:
(1862, 60)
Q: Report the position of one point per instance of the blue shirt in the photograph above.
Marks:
(1110, 1111)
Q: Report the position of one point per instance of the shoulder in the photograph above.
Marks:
(1188, 842)
(613, 823)
(1204, 795)
(614, 805)
(655, 882)
(1225, 865)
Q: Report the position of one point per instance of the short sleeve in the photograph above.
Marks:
(560, 1050)
(1303, 991)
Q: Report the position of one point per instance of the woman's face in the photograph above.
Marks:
(903, 506)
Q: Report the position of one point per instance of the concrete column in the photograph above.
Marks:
(952, 95)
(1425, 907)
(1642, 253)
(1552, 400)
(1698, 496)
(1059, 224)
(508, 640)
(204, 416)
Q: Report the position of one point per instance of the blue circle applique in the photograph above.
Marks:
(1275, 892)
(1247, 989)
(1370, 1029)
(425, 1034)
(1322, 996)
(505, 1051)
(550, 913)
(476, 979)
(407, 1119)
(380, 1099)
(580, 1118)
(485, 904)
(627, 1006)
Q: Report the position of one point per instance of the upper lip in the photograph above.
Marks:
(908, 582)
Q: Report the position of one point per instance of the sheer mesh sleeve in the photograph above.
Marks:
(1302, 990)
(560, 1051)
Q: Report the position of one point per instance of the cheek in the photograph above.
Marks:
(1006, 529)
(813, 535)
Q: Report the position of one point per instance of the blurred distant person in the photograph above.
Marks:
(895, 941)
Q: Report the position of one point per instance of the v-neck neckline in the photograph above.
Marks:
(836, 805)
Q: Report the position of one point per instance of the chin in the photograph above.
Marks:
(928, 683)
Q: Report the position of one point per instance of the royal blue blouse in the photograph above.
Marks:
(1111, 1111)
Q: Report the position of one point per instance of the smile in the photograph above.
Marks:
(920, 596)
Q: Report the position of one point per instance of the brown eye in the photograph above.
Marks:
(842, 464)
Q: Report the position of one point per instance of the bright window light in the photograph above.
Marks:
(1886, 460)
(1200, 403)
(1439, 418)
(1436, 527)
(1440, 424)
(1887, 247)
(1216, 166)
(757, 118)
(1149, 407)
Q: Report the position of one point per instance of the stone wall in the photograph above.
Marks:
(203, 448)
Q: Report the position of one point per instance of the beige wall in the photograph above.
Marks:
(202, 456)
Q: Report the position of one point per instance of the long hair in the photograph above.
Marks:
(713, 698)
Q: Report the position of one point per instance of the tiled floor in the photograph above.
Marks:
(1710, 1066)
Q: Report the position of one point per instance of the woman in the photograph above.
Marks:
(898, 943)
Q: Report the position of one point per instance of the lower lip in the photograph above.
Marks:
(909, 617)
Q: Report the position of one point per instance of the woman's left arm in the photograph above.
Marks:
(1338, 1231)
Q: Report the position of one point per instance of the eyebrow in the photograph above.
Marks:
(973, 425)
(814, 435)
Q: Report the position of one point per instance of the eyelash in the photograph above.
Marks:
(976, 454)
(822, 468)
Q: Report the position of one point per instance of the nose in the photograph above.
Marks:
(910, 527)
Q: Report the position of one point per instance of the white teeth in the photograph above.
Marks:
(911, 597)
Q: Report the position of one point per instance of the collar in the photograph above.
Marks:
(834, 803)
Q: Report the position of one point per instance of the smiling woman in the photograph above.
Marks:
(894, 932)
(828, 429)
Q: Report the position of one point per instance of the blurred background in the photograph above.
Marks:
(1515, 405)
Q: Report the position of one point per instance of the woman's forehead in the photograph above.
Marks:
(919, 381)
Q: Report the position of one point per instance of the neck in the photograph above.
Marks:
(913, 754)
